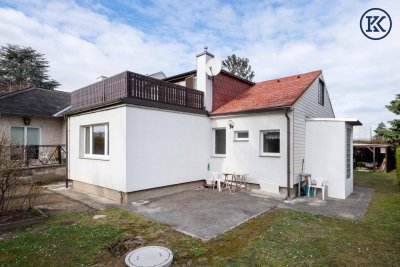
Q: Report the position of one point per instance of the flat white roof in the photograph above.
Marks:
(352, 121)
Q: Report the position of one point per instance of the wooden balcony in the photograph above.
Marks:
(137, 89)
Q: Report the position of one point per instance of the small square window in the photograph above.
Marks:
(96, 140)
(220, 141)
(270, 143)
(321, 92)
(241, 135)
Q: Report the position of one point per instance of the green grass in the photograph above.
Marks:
(277, 238)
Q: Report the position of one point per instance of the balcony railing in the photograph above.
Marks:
(133, 85)
(39, 155)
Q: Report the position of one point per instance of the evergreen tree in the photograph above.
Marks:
(392, 134)
(21, 67)
(238, 66)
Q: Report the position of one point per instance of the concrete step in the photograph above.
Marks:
(262, 193)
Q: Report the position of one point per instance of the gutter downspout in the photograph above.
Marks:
(288, 152)
(66, 149)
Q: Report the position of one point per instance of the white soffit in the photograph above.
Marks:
(352, 121)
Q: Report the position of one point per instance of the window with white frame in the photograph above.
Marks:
(270, 142)
(96, 140)
(220, 141)
(241, 135)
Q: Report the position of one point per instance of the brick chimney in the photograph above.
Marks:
(204, 82)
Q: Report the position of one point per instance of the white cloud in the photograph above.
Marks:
(279, 37)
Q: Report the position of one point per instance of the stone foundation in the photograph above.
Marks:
(124, 198)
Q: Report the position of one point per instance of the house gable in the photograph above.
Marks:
(307, 106)
(271, 94)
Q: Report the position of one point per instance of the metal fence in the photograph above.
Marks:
(39, 155)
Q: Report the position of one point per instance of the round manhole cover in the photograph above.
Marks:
(149, 256)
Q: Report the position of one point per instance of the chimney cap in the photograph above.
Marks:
(205, 52)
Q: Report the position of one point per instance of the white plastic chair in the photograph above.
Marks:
(214, 180)
(317, 183)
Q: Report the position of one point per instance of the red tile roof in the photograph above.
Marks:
(271, 94)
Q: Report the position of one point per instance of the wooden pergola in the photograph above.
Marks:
(372, 147)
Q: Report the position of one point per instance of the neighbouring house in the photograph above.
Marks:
(132, 136)
(34, 120)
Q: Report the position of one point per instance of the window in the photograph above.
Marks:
(22, 136)
(241, 135)
(220, 141)
(348, 152)
(25, 136)
(321, 92)
(270, 143)
(96, 140)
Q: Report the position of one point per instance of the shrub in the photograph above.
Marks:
(15, 194)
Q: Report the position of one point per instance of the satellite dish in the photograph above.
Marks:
(213, 67)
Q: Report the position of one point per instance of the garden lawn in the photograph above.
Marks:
(277, 238)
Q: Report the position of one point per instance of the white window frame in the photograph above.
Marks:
(214, 140)
(237, 138)
(269, 154)
(26, 133)
(106, 142)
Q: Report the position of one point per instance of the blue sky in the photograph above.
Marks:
(86, 39)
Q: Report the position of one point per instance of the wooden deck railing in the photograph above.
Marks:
(133, 85)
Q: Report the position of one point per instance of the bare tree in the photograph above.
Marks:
(14, 193)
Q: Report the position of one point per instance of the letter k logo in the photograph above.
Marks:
(372, 21)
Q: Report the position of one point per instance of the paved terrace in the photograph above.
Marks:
(204, 213)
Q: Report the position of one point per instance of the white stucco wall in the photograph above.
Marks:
(203, 81)
(244, 156)
(111, 172)
(165, 148)
(325, 154)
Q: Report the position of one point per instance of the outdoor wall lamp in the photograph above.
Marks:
(231, 124)
(27, 120)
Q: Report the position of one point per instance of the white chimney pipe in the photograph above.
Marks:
(204, 82)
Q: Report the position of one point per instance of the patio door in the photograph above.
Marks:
(22, 137)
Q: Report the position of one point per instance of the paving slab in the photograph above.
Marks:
(203, 213)
(352, 208)
(90, 200)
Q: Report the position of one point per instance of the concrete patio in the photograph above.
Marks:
(204, 213)
(352, 208)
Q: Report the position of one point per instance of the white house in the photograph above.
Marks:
(133, 136)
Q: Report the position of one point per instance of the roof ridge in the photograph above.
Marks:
(51, 90)
(290, 76)
(30, 88)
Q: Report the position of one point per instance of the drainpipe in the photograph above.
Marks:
(66, 149)
(288, 152)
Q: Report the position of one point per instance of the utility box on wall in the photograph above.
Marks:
(329, 153)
